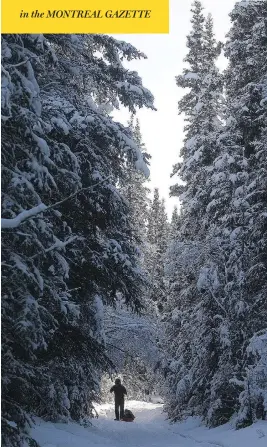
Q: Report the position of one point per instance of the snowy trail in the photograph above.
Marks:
(150, 429)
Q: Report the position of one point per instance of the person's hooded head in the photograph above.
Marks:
(117, 381)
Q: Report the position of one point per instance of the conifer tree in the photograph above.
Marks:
(136, 192)
(223, 275)
(157, 235)
(237, 210)
(202, 107)
(67, 238)
(174, 225)
(192, 338)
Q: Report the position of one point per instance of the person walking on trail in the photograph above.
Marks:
(119, 392)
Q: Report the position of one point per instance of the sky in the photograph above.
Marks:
(162, 130)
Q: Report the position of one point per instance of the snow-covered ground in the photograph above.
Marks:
(150, 429)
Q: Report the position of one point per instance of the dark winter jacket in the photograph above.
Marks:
(119, 391)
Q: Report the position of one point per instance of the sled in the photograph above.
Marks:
(128, 416)
(127, 419)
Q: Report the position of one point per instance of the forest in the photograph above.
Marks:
(97, 282)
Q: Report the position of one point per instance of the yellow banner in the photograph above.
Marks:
(85, 16)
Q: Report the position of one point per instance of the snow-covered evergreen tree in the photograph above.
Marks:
(67, 238)
(157, 236)
(174, 224)
(192, 337)
(221, 297)
(238, 206)
(136, 192)
(202, 107)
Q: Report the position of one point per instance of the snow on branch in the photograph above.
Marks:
(21, 217)
(35, 211)
(61, 244)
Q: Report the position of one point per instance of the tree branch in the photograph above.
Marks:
(42, 208)
(19, 64)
